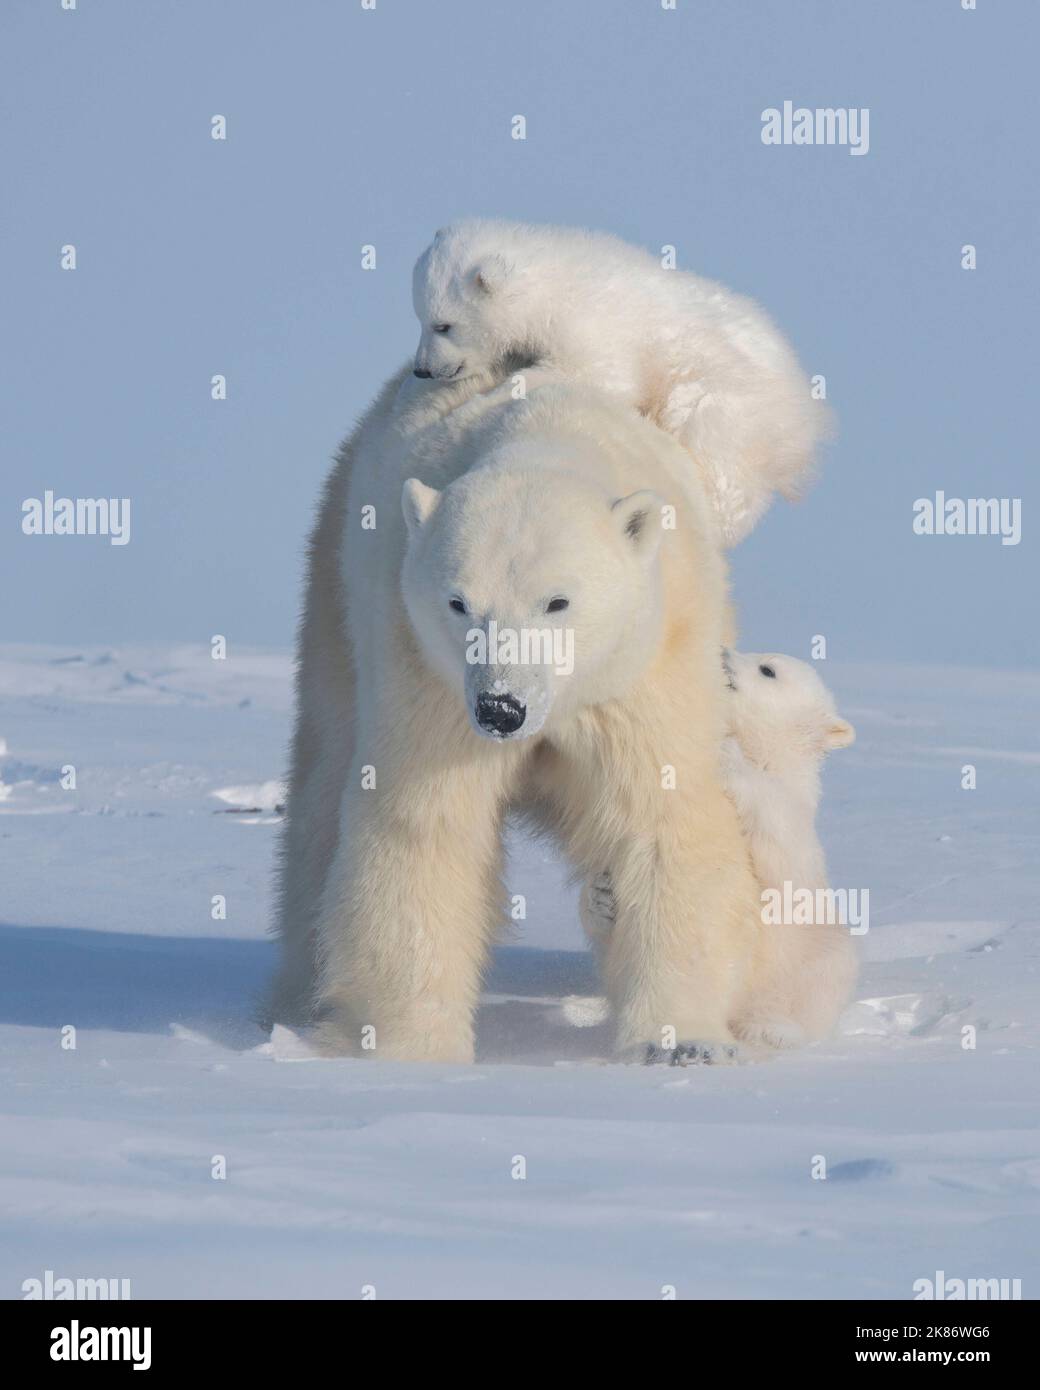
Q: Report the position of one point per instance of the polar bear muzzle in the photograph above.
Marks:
(499, 716)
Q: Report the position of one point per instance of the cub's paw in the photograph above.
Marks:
(692, 1054)
(601, 898)
(598, 908)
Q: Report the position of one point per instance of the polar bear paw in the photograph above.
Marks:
(773, 1031)
(692, 1054)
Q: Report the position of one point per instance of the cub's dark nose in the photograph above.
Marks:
(421, 371)
(500, 714)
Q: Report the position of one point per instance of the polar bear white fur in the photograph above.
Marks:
(706, 364)
(781, 722)
(408, 755)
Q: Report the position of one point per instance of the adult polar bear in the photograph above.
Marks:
(407, 757)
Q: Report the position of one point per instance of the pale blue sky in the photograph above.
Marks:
(347, 127)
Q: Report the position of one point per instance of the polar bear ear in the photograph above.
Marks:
(638, 517)
(491, 275)
(839, 734)
(418, 502)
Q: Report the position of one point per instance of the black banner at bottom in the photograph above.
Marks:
(164, 1340)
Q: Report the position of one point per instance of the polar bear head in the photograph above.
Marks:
(530, 589)
(474, 305)
(780, 710)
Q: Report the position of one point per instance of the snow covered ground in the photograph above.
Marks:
(347, 1174)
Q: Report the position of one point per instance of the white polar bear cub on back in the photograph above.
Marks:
(782, 722)
(705, 364)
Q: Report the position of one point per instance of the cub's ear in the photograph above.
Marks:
(491, 275)
(418, 502)
(638, 517)
(839, 734)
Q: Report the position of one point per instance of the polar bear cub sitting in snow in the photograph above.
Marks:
(782, 721)
(705, 364)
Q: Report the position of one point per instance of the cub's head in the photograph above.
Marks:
(780, 710)
(470, 305)
(530, 590)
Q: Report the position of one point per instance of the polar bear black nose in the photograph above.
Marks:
(422, 371)
(500, 714)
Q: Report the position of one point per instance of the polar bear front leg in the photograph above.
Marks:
(414, 894)
(598, 911)
(677, 954)
(681, 893)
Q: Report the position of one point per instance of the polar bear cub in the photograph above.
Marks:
(782, 722)
(705, 364)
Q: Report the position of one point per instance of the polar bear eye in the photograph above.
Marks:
(441, 327)
(457, 605)
(768, 671)
(557, 605)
